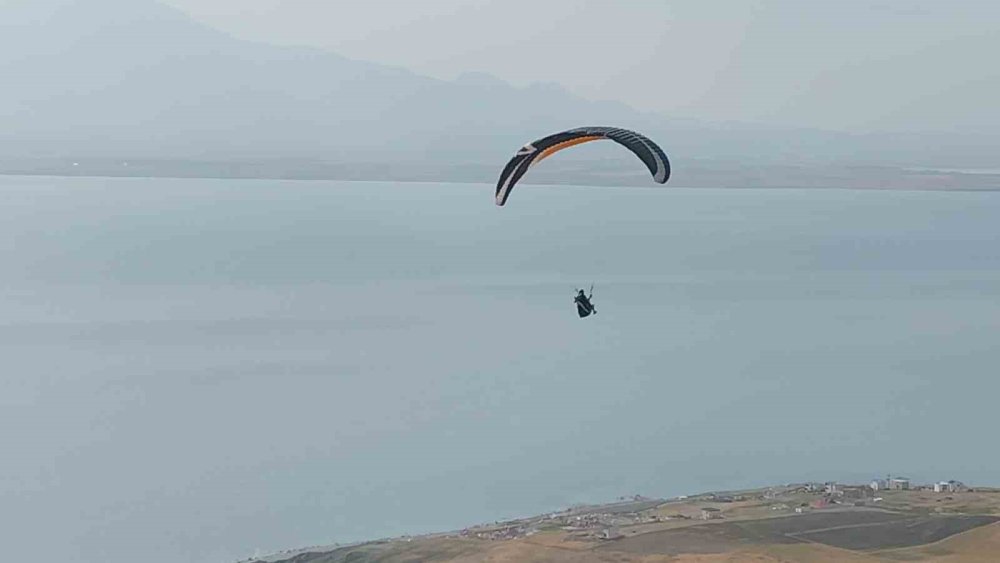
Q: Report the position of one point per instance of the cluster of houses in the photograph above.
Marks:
(903, 484)
(836, 494)
(949, 487)
(594, 525)
(890, 484)
(607, 525)
(500, 534)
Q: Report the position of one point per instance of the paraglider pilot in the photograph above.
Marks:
(583, 305)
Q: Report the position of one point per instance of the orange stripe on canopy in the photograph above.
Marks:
(565, 145)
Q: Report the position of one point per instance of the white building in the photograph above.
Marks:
(611, 533)
(948, 487)
(899, 484)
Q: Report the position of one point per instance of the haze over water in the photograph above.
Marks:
(194, 369)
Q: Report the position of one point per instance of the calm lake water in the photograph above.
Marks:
(196, 369)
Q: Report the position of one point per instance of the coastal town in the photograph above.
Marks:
(907, 511)
(614, 521)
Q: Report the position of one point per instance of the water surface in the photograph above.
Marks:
(195, 369)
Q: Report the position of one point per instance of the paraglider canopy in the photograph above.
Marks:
(532, 153)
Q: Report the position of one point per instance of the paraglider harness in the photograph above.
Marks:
(584, 307)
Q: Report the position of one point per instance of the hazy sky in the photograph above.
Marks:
(854, 64)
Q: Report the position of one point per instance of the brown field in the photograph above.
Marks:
(985, 502)
(854, 530)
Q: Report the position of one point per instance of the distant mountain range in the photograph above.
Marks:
(114, 80)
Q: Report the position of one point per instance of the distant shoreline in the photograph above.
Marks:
(949, 181)
(603, 526)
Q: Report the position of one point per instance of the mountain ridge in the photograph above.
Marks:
(150, 82)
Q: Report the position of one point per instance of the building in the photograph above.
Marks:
(611, 533)
(710, 513)
(853, 492)
(899, 484)
(948, 487)
(879, 485)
